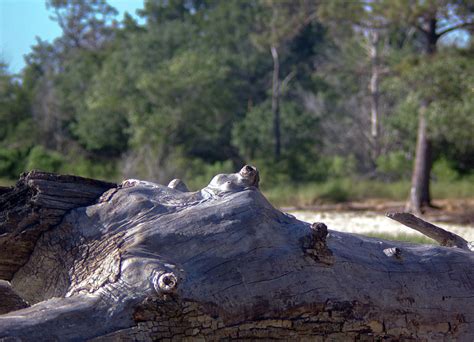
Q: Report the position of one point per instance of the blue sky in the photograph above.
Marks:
(23, 20)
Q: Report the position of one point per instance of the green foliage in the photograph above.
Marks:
(8, 158)
(253, 136)
(188, 94)
(394, 165)
(84, 23)
(444, 170)
(461, 188)
(342, 166)
(95, 168)
(41, 159)
(451, 113)
(14, 109)
(334, 191)
(346, 189)
(444, 82)
(102, 132)
(12, 162)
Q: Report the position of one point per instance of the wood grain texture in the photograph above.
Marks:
(10, 300)
(150, 262)
(38, 202)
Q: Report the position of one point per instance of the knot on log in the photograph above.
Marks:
(165, 282)
(315, 244)
(250, 173)
(178, 184)
(393, 252)
(128, 183)
(320, 231)
(107, 196)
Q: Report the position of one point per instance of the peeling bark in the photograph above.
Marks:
(151, 262)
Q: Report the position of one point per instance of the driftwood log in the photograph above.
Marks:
(87, 260)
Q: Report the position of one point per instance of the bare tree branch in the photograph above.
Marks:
(443, 237)
(420, 28)
(455, 27)
(287, 80)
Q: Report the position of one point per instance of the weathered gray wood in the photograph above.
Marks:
(10, 300)
(149, 262)
(440, 235)
(37, 203)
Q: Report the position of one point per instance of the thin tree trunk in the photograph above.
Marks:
(374, 94)
(420, 183)
(276, 101)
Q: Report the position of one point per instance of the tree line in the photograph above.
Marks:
(306, 90)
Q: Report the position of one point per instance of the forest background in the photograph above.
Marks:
(331, 100)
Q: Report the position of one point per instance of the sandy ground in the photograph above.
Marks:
(363, 222)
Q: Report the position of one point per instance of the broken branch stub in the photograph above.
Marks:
(315, 244)
(440, 235)
(393, 252)
(165, 282)
(178, 184)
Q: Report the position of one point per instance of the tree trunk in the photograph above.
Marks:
(374, 94)
(276, 102)
(149, 262)
(420, 183)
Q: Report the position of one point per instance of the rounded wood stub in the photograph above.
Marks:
(165, 282)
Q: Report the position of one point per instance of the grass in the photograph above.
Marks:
(6, 182)
(403, 237)
(344, 190)
(463, 188)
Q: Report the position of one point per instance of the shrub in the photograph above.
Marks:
(394, 165)
(12, 162)
(444, 170)
(42, 159)
(342, 167)
(335, 191)
(100, 169)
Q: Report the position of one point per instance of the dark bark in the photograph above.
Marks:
(431, 36)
